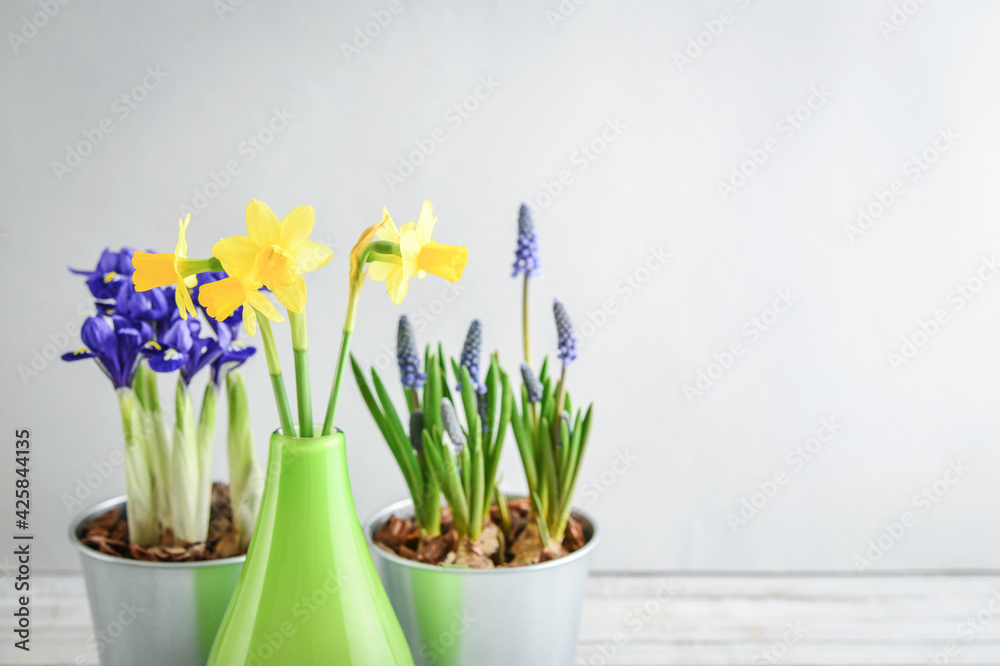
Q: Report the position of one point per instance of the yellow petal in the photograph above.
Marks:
(293, 296)
(382, 269)
(185, 305)
(262, 224)
(259, 302)
(237, 254)
(389, 232)
(220, 299)
(397, 292)
(447, 261)
(425, 224)
(250, 321)
(367, 236)
(181, 250)
(153, 270)
(297, 226)
(311, 255)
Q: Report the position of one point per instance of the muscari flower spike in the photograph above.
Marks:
(564, 328)
(406, 354)
(417, 430)
(113, 268)
(526, 257)
(450, 421)
(115, 346)
(531, 383)
(470, 355)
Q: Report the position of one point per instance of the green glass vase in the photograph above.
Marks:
(309, 593)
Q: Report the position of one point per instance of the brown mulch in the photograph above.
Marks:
(402, 537)
(108, 534)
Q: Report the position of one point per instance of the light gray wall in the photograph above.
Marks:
(672, 131)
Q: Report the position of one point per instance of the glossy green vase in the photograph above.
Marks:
(309, 593)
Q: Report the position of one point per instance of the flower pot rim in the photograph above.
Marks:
(375, 519)
(100, 508)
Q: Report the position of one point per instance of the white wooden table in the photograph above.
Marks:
(686, 619)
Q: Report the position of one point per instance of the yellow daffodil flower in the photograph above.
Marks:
(221, 299)
(160, 270)
(420, 254)
(275, 254)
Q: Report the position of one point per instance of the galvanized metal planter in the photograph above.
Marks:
(152, 613)
(488, 617)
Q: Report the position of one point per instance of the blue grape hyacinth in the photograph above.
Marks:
(526, 258)
(406, 355)
(564, 328)
(470, 354)
(449, 419)
(531, 383)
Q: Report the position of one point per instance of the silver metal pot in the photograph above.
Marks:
(489, 617)
(152, 613)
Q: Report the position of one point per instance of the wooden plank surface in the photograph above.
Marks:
(685, 620)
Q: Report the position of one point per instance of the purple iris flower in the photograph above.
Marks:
(114, 345)
(154, 305)
(233, 352)
(113, 268)
(181, 347)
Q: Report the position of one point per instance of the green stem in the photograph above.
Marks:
(560, 401)
(524, 319)
(139, 490)
(274, 369)
(303, 390)
(345, 349)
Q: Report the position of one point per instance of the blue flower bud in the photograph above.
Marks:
(531, 383)
(406, 354)
(417, 430)
(470, 354)
(526, 256)
(564, 328)
(450, 420)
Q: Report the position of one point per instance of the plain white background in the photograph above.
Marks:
(641, 112)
